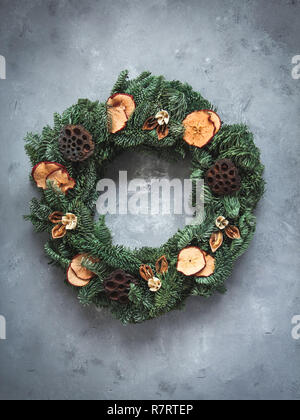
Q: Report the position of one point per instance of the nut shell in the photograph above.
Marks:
(223, 178)
(75, 143)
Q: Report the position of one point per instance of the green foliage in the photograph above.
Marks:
(151, 94)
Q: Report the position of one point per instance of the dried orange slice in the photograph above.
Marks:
(190, 261)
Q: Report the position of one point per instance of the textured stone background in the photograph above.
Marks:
(238, 54)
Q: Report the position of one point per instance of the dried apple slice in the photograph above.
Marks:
(216, 120)
(74, 280)
(118, 120)
(62, 180)
(199, 128)
(209, 269)
(190, 261)
(123, 101)
(120, 107)
(42, 170)
(82, 272)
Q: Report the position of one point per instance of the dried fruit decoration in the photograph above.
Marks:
(160, 121)
(77, 274)
(75, 143)
(216, 239)
(190, 261)
(200, 127)
(221, 222)
(120, 107)
(63, 223)
(146, 272)
(209, 269)
(154, 284)
(117, 286)
(55, 172)
(223, 177)
(161, 265)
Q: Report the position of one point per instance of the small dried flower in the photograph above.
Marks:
(162, 117)
(221, 222)
(70, 221)
(154, 284)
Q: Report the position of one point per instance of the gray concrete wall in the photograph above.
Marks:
(238, 54)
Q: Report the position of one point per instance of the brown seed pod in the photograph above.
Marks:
(162, 131)
(216, 241)
(233, 232)
(223, 177)
(161, 265)
(117, 286)
(56, 217)
(150, 124)
(58, 231)
(76, 143)
(146, 272)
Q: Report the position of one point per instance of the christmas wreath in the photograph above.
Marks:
(165, 117)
